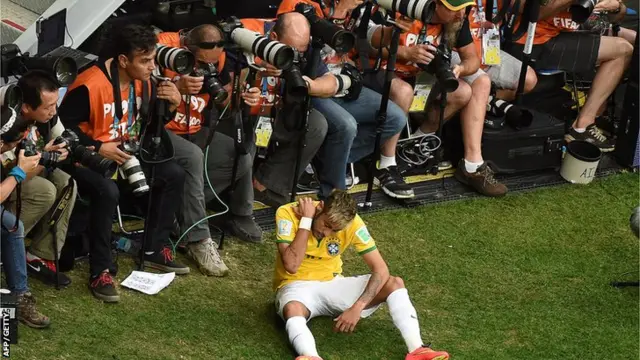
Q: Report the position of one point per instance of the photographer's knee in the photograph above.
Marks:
(111, 193)
(461, 96)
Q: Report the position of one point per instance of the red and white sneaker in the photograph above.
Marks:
(305, 357)
(425, 353)
(45, 271)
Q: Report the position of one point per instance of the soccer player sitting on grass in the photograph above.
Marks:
(311, 236)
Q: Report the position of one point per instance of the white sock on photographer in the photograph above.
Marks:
(405, 318)
(472, 167)
(301, 337)
(387, 161)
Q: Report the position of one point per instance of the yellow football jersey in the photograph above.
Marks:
(322, 260)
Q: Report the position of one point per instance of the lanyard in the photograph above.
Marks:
(481, 7)
(116, 121)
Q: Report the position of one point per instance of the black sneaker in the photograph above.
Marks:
(245, 228)
(45, 271)
(592, 135)
(307, 184)
(392, 183)
(103, 288)
(164, 261)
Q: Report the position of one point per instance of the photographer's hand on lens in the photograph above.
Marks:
(270, 70)
(168, 91)
(607, 5)
(190, 84)
(28, 164)
(111, 151)
(404, 23)
(347, 5)
(305, 208)
(251, 96)
(310, 83)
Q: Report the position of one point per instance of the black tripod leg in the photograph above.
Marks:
(56, 257)
(147, 230)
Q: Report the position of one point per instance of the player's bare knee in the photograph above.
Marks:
(295, 308)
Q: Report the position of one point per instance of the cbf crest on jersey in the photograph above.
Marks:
(333, 247)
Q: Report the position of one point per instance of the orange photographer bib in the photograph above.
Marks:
(197, 103)
(102, 124)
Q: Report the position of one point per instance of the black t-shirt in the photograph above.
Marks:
(75, 110)
(464, 35)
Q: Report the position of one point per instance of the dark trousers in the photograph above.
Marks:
(103, 195)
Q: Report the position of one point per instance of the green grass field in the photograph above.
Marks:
(525, 277)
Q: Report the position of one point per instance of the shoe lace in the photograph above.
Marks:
(213, 252)
(168, 254)
(597, 134)
(103, 279)
(487, 175)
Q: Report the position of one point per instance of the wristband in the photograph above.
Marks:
(18, 173)
(305, 223)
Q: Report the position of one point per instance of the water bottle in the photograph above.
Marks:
(128, 246)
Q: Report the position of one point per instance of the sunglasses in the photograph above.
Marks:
(211, 44)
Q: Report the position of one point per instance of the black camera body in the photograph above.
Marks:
(440, 66)
(228, 26)
(582, 9)
(48, 159)
(88, 158)
(211, 84)
(331, 34)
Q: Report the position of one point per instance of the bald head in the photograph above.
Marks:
(292, 29)
(203, 33)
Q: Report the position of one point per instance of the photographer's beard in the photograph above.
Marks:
(450, 32)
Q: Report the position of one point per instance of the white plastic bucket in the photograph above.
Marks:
(580, 162)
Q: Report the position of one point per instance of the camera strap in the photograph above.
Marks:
(62, 204)
(510, 35)
(362, 42)
(117, 101)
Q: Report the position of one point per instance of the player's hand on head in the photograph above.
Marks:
(305, 208)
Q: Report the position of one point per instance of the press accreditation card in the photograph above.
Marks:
(264, 129)
(491, 46)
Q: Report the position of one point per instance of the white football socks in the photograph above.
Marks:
(301, 337)
(387, 161)
(405, 318)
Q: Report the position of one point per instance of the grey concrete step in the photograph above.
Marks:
(14, 20)
(36, 6)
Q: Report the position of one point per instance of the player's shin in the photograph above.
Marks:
(301, 337)
(405, 318)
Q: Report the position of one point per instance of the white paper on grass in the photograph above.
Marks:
(148, 283)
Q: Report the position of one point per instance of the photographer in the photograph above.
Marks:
(352, 126)
(273, 178)
(419, 48)
(199, 107)
(556, 46)
(13, 256)
(89, 108)
(40, 192)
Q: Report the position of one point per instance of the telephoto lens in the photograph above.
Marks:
(94, 161)
(87, 158)
(175, 59)
(340, 40)
(275, 53)
(11, 96)
(422, 10)
(132, 171)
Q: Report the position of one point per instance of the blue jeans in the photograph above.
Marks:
(14, 259)
(351, 134)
